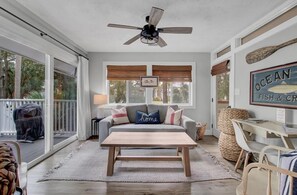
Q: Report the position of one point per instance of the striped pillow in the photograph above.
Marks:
(173, 117)
(119, 116)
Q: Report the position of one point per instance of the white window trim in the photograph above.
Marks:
(149, 91)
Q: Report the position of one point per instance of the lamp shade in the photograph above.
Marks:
(100, 99)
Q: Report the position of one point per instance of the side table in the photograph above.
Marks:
(95, 126)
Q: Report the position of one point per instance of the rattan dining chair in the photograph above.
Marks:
(259, 178)
(247, 146)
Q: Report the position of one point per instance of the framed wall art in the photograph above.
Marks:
(275, 86)
(149, 81)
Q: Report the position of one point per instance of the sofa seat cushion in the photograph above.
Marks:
(146, 128)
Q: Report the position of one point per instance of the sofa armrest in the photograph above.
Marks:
(190, 126)
(104, 126)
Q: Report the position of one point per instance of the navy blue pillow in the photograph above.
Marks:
(144, 118)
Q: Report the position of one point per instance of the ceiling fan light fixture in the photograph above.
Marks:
(149, 40)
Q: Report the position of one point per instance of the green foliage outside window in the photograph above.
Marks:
(32, 79)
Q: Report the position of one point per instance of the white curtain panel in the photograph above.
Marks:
(83, 100)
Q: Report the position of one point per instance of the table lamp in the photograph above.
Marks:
(100, 99)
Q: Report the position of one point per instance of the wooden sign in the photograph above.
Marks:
(275, 86)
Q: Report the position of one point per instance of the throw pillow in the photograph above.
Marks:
(173, 117)
(119, 116)
(144, 118)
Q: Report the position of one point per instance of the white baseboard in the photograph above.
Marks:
(208, 132)
(216, 133)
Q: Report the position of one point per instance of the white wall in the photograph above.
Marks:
(202, 60)
(242, 72)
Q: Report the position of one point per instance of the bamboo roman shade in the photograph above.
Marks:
(125, 72)
(220, 68)
(173, 73)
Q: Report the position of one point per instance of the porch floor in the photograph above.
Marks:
(31, 151)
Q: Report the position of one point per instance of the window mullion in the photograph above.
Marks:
(149, 90)
(127, 91)
(171, 92)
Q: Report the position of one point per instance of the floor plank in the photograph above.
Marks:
(222, 187)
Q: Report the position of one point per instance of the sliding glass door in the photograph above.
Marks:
(65, 101)
(22, 103)
(38, 100)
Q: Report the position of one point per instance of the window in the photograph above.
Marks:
(175, 84)
(124, 84)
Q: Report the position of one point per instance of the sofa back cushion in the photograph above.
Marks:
(131, 111)
(162, 110)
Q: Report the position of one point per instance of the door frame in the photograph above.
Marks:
(213, 125)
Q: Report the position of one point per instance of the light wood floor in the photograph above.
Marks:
(222, 187)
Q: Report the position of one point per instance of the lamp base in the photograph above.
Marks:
(100, 113)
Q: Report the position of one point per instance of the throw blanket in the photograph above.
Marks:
(8, 170)
(288, 161)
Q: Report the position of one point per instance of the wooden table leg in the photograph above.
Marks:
(111, 161)
(186, 161)
(178, 150)
(287, 142)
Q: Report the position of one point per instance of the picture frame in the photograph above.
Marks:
(149, 81)
(274, 86)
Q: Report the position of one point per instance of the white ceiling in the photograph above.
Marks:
(213, 21)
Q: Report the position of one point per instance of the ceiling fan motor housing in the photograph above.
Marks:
(149, 34)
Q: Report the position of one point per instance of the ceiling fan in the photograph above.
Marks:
(150, 33)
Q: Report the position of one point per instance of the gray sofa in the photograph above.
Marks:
(106, 125)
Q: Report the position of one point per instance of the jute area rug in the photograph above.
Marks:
(89, 163)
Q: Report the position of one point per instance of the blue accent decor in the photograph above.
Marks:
(144, 118)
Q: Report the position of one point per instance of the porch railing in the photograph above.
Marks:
(64, 115)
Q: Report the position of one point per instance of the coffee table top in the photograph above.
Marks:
(148, 139)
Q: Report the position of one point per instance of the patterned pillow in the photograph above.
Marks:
(173, 117)
(288, 162)
(144, 118)
(119, 116)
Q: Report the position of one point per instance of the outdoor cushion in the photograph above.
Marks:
(146, 128)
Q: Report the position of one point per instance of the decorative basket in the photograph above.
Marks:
(201, 128)
(224, 122)
(228, 147)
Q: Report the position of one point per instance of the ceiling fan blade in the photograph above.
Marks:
(132, 40)
(155, 16)
(176, 30)
(161, 42)
(124, 26)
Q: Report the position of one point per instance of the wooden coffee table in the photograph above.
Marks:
(179, 140)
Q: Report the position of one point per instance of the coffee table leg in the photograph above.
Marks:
(110, 163)
(178, 150)
(186, 161)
